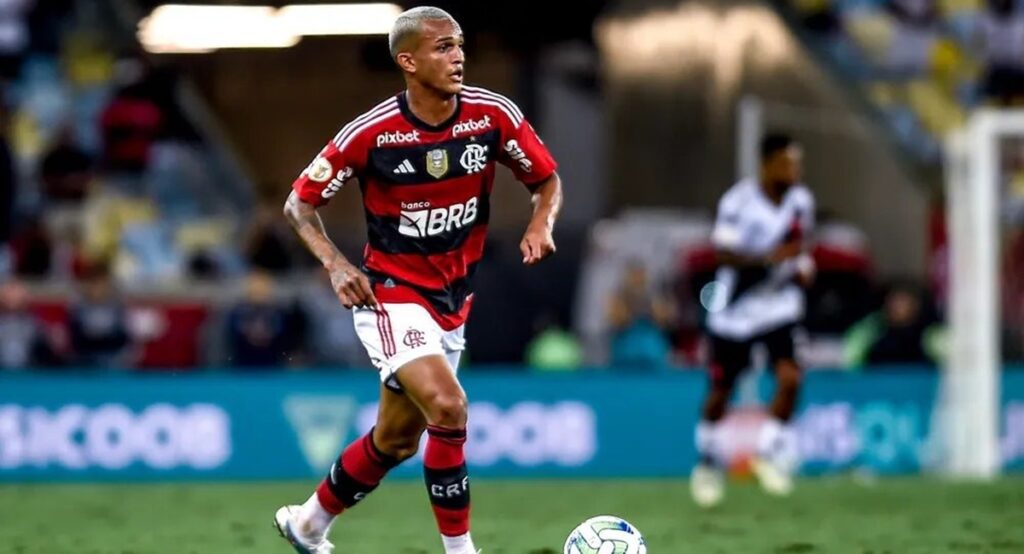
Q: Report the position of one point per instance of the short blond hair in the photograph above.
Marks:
(409, 23)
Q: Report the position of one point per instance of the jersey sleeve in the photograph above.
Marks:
(329, 171)
(802, 227)
(807, 217)
(727, 233)
(526, 155)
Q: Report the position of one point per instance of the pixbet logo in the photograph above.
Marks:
(397, 137)
(471, 125)
(433, 222)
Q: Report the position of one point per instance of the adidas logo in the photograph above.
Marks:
(405, 168)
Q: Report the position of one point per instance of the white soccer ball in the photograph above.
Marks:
(605, 535)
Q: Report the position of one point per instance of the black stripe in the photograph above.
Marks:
(448, 488)
(382, 161)
(447, 301)
(383, 234)
(345, 488)
(441, 432)
(747, 278)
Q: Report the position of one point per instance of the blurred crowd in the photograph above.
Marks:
(922, 63)
(109, 193)
(99, 165)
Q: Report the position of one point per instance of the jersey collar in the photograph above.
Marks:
(403, 105)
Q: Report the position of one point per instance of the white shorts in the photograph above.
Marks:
(401, 333)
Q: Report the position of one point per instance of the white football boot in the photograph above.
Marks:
(707, 485)
(774, 478)
(285, 522)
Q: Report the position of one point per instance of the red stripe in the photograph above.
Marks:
(362, 464)
(328, 501)
(431, 271)
(386, 200)
(383, 336)
(452, 523)
(445, 451)
(384, 321)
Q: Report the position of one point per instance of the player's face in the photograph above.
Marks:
(786, 166)
(439, 57)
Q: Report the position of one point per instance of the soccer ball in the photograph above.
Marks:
(605, 535)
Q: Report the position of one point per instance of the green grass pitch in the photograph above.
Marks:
(897, 516)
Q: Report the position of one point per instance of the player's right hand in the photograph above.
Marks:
(787, 250)
(352, 286)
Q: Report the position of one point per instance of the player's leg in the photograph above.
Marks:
(431, 383)
(777, 446)
(728, 360)
(395, 437)
(364, 463)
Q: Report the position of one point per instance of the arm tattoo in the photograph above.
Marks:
(308, 225)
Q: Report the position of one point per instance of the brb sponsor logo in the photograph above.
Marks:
(471, 125)
(397, 137)
(112, 437)
(527, 434)
(419, 220)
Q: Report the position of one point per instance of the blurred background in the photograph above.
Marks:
(150, 287)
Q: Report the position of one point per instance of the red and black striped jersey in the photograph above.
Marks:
(426, 191)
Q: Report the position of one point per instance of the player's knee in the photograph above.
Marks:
(448, 410)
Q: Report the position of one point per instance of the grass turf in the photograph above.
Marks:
(898, 516)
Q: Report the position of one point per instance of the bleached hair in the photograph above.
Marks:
(409, 22)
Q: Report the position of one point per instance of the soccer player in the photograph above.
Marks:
(760, 235)
(425, 162)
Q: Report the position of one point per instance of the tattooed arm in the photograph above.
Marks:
(351, 285)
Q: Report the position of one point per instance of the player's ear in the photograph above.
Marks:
(406, 62)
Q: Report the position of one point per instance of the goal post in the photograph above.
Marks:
(970, 388)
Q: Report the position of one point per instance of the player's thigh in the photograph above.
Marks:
(396, 334)
(782, 354)
(400, 422)
(780, 345)
(729, 358)
(430, 383)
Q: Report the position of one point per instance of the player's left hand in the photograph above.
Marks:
(806, 270)
(537, 244)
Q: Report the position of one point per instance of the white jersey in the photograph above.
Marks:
(748, 303)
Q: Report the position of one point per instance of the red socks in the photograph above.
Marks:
(444, 470)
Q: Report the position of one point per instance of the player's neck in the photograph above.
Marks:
(772, 190)
(428, 106)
